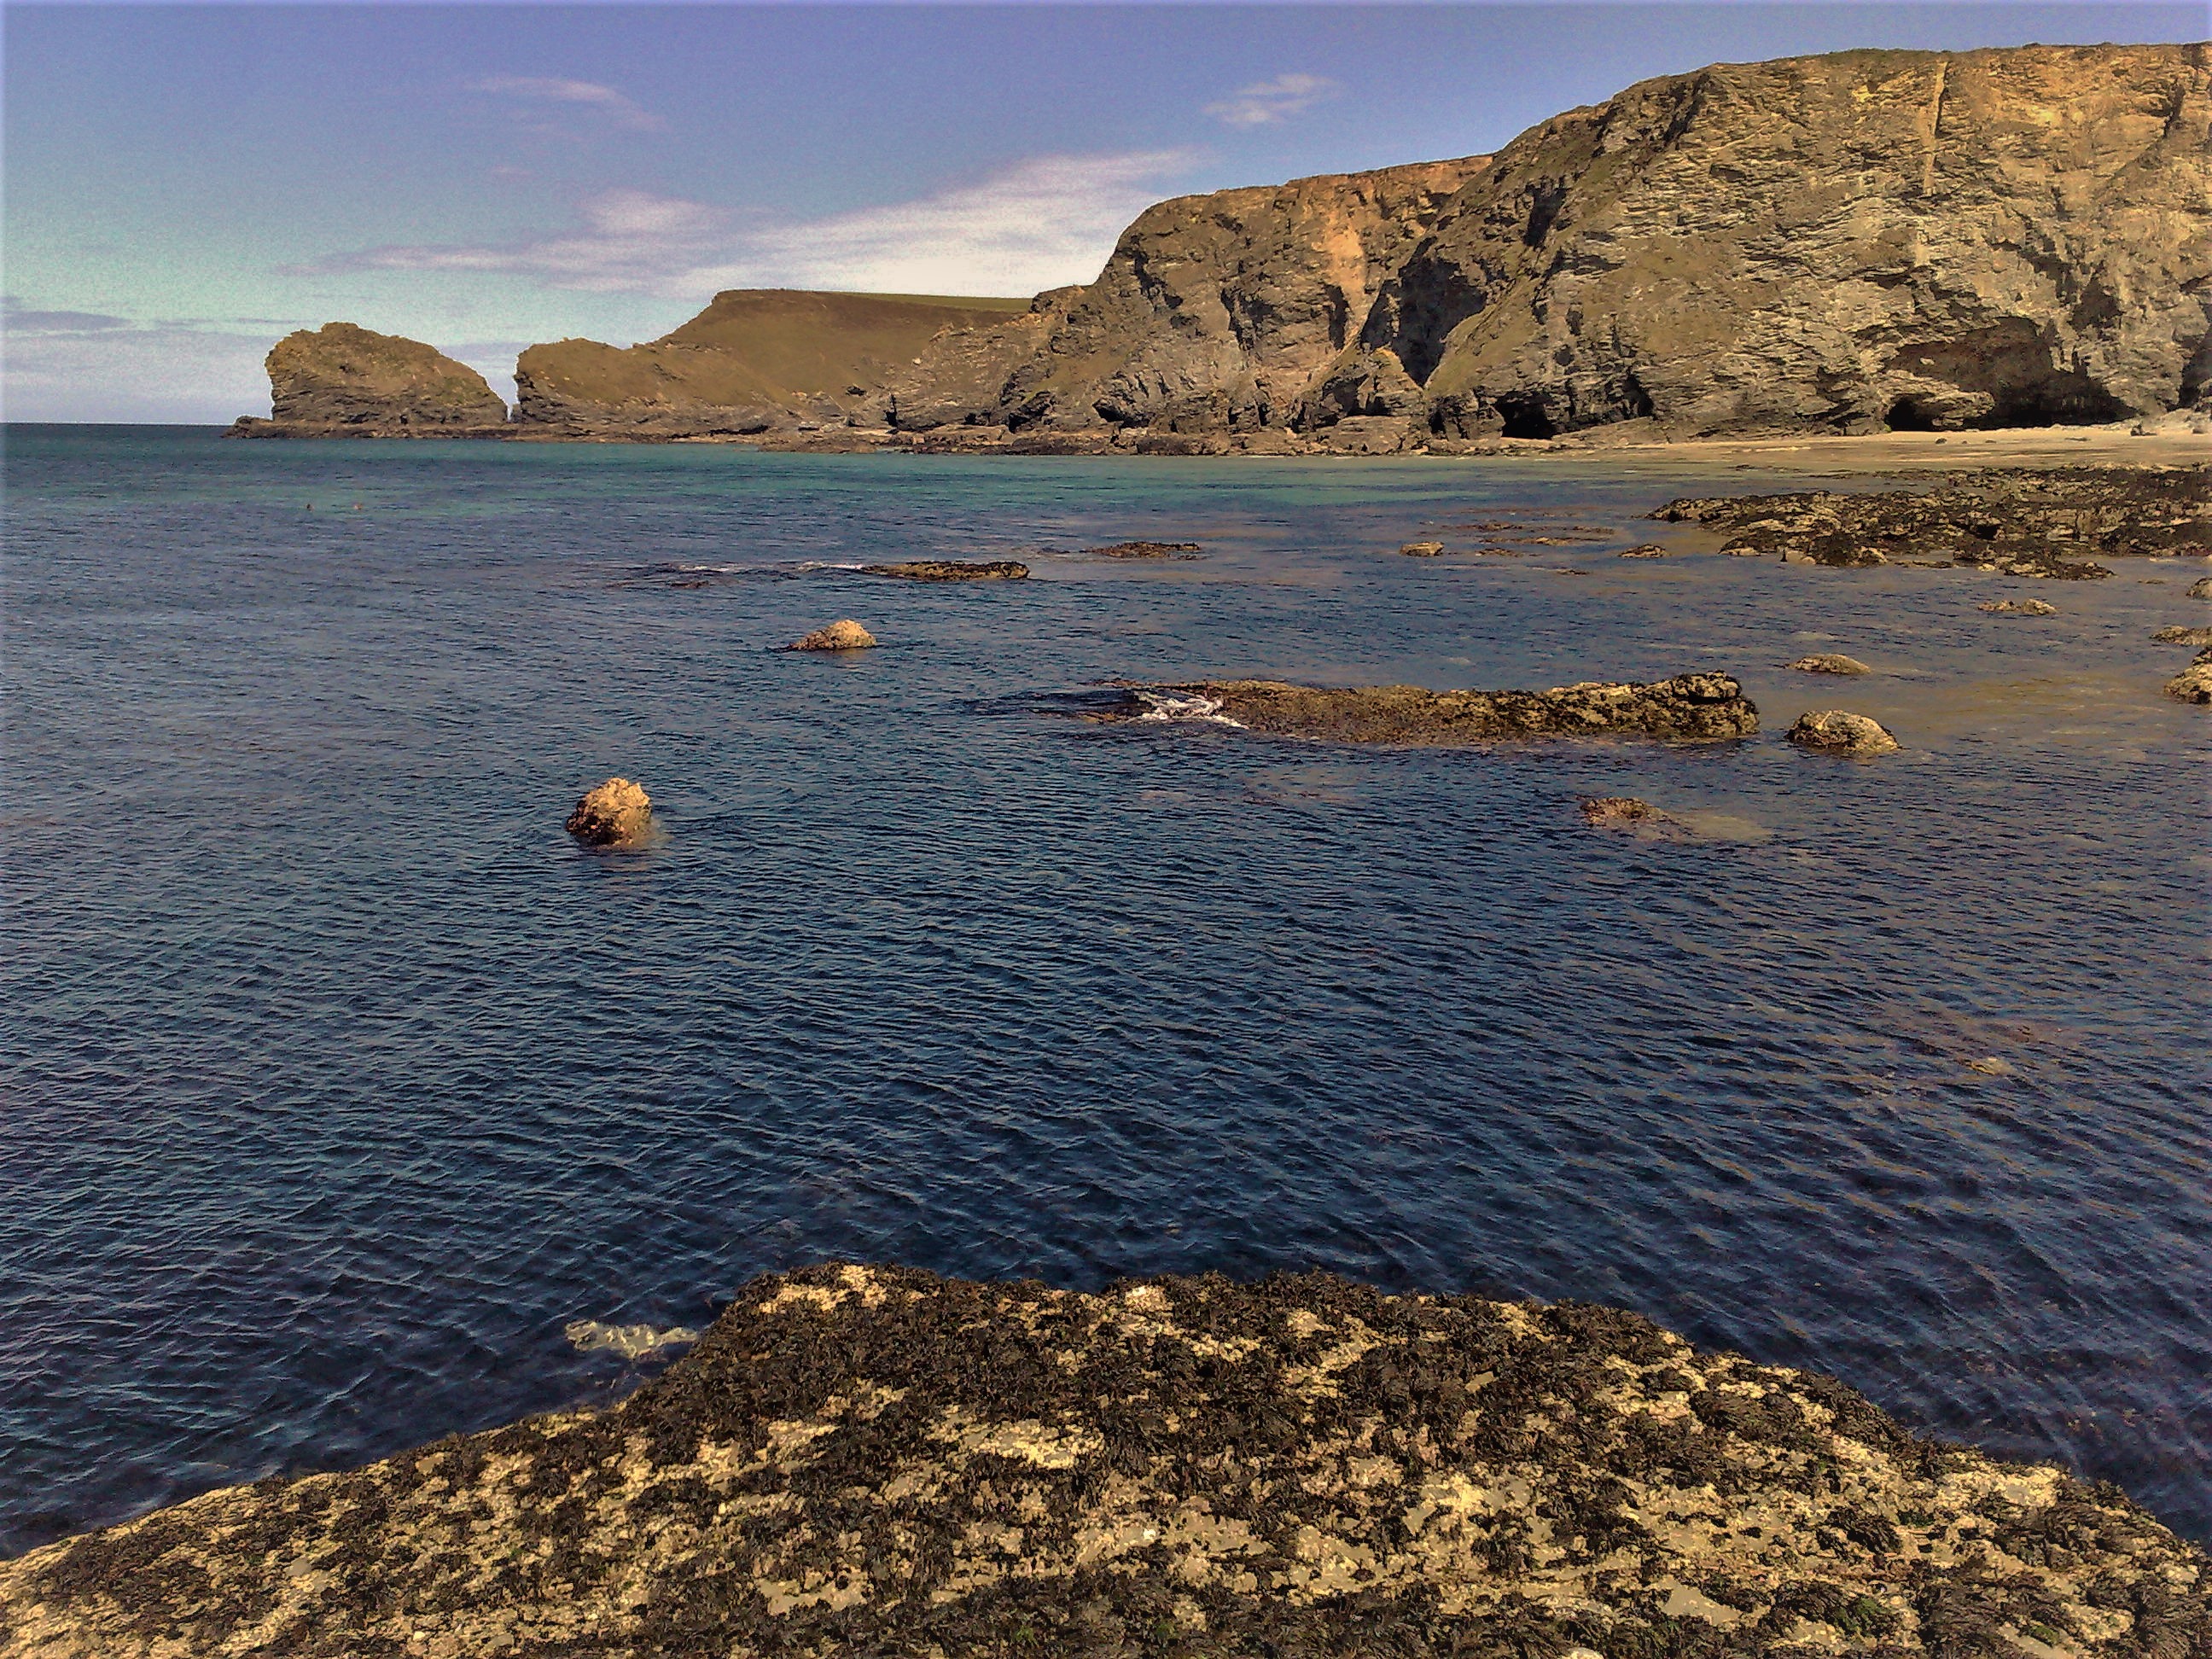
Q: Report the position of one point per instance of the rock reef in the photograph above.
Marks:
(2022, 521)
(952, 570)
(872, 1460)
(1688, 708)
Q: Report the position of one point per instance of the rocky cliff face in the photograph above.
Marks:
(1864, 240)
(1215, 312)
(1847, 243)
(342, 375)
(754, 360)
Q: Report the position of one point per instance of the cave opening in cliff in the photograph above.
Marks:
(1524, 417)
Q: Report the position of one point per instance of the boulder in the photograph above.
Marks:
(2017, 608)
(1422, 550)
(2183, 637)
(1834, 731)
(952, 570)
(2201, 588)
(844, 634)
(1830, 662)
(344, 375)
(617, 813)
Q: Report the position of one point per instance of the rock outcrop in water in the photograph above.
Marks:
(953, 570)
(1690, 707)
(615, 813)
(2194, 682)
(347, 379)
(844, 634)
(1838, 731)
(1845, 243)
(2018, 520)
(876, 1461)
(1831, 662)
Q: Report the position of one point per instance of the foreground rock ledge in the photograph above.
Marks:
(877, 1461)
(1689, 707)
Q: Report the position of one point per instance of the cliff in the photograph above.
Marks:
(754, 360)
(343, 376)
(877, 1461)
(1848, 243)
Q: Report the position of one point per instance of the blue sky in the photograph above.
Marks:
(186, 183)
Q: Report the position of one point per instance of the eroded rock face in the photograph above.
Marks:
(2018, 520)
(844, 634)
(952, 570)
(1837, 732)
(858, 1460)
(342, 375)
(1690, 707)
(1847, 242)
(615, 813)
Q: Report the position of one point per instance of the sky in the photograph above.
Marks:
(185, 184)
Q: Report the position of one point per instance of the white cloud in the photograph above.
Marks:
(541, 88)
(110, 369)
(1036, 225)
(1269, 102)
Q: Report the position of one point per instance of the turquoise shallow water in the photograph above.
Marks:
(336, 1080)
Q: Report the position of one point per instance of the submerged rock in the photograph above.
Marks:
(2019, 520)
(2183, 637)
(952, 570)
(1830, 662)
(1645, 551)
(1689, 706)
(615, 814)
(1422, 550)
(1640, 818)
(1145, 551)
(1835, 731)
(2017, 608)
(844, 634)
(857, 1459)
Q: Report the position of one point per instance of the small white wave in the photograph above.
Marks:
(1162, 707)
(630, 1341)
(829, 565)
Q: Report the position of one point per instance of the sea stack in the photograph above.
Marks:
(341, 375)
(617, 813)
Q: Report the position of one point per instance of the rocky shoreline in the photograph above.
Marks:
(875, 1460)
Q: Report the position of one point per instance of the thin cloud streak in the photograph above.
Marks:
(1269, 103)
(618, 107)
(1039, 224)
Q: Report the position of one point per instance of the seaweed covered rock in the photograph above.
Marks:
(876, 1461)
(843, 634)
(952, 570)
(1838, 731)
(2047, 524)
(1688, 707)
(617, 813)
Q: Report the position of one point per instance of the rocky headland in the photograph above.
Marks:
(342, 381)
(872, 1460)
(1690, 708)
(1863, 241)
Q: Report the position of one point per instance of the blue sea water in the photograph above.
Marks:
(337, 1079)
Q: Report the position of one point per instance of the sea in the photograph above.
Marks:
(337, 1084)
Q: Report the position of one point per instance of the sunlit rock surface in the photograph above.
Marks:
(877, 1461)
